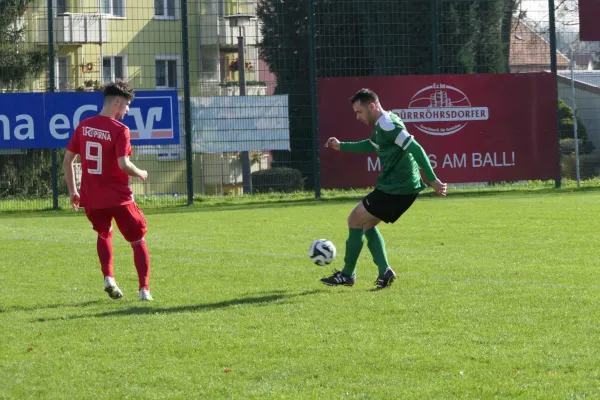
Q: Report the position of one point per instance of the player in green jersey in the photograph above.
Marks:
(397, 187)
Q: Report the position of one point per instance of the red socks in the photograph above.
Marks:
(142, 262)
(105, 254)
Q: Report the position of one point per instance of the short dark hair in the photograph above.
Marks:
(119, 88)
(364, 96)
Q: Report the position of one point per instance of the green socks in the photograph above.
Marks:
(377, 248)
(354, 245)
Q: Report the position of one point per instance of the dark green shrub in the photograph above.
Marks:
(277, 180)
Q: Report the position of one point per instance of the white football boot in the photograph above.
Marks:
(145, 295)
(110, 287)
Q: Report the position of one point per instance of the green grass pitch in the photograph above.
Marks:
(496, 297)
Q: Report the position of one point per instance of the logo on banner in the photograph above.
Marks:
(47, 120)
(151, 118)
(441, 110)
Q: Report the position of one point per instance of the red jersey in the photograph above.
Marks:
(100, 142)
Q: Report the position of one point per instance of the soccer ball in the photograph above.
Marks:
(322, 252)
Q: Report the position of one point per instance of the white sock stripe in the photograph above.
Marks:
(138, 241)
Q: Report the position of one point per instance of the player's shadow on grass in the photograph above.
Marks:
(274, 296)
(49, 306)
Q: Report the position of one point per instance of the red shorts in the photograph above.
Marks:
(129, 218)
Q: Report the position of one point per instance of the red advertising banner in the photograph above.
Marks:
(589, 13)
(475, 128)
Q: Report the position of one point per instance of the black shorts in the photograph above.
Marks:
(388, 207)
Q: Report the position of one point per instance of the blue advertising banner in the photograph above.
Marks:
(47, 120)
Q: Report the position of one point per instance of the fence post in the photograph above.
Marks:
(314, 99)
(245, 154)
(576, 142)
(553, 70)
(187, 108)
(52, 73)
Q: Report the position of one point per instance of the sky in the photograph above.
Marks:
(537, 10)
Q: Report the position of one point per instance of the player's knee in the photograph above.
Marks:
(105, 235)
(354, 220)
(369, 225)
(137, 242)
(135, 236)
(134, 233)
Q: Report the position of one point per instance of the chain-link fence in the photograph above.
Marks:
(578, 80)
(246, 77)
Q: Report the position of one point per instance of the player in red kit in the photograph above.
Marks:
(104, 147)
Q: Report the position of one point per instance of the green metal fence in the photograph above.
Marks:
(234, 62)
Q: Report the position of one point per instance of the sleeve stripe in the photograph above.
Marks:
(404, 139)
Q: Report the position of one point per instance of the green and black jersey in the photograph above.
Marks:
(400, 156)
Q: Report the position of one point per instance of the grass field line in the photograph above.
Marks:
(503, 282)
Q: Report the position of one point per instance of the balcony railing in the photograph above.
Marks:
(217, 30)
(74, 28)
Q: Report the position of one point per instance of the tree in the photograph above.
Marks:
(357, 38)
(28, 175)
(20, 174)
(17, 61)
(512, 12)
(566, 123)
